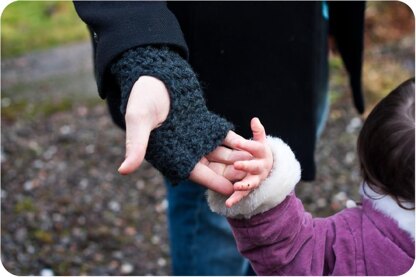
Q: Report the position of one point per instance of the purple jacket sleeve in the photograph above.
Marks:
(284, 240)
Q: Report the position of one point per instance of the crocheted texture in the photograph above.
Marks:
(190, 130)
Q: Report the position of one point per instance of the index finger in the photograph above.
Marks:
(226, 155)
(206, 177)
(231, 139)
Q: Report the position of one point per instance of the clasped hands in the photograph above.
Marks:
(234, 168)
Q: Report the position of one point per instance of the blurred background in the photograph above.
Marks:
(64, 208)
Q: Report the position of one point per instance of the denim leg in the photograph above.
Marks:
(201, 241)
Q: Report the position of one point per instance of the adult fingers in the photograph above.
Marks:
(233, 174)
(228, 171)
(218, 168)
(231, 139)
(206, 177)
(226, 155)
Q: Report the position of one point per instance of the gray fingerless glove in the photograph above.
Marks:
(190, 130)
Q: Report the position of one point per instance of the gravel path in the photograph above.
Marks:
(65, 208)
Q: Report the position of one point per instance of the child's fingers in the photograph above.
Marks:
(235, 198)
(218, 168)
(252, 167)
(250, 182)
(228, 171)
(203, 175)
(255, 148)
(259, 134)
(225, 155)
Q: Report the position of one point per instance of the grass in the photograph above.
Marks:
(27, 110)
(36, 25)
(25, 205)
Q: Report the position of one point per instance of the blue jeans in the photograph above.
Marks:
(201, 242)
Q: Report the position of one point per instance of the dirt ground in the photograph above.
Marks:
(64, 208)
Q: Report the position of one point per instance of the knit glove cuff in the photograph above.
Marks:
(190, 130)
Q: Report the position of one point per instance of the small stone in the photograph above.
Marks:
(46, 272)
(354, 124)
(321, 203)
(161, 262)
(90, 149)
(65, 130)
(21, 234)
(28, 185)
(56, 217)
(340, 196)
(126, 268)
(114, 206)
(30, 249)
(118, 255)
(38, 164)
(140, 184)
(162, 206)
(113, 264)
(155, 239)
(130, 231)
(3, 194)
(83, 183)
(349, 158)
(5, 102)
(50, 152)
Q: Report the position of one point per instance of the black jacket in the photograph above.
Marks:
(264, 59)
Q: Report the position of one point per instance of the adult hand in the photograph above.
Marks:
(147, 108)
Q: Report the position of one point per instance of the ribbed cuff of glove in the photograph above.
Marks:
(190, 130)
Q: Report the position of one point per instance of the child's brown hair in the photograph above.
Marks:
(386, 145)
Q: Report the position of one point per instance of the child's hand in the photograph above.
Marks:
(258, 168)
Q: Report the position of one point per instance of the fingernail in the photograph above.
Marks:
(121, 167)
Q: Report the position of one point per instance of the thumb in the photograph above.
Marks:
(137, 138)
(259, 134)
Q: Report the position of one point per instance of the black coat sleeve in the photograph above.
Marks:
(117, 26)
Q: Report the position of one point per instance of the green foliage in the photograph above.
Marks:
(23, 109)
(43, 236)
(25, 205)
(34, 25)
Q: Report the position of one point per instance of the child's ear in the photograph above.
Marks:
(259, 134)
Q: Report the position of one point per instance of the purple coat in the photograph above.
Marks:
(275, 233)
(286, 240)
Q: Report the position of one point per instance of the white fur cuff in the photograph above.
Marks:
(283, 177)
